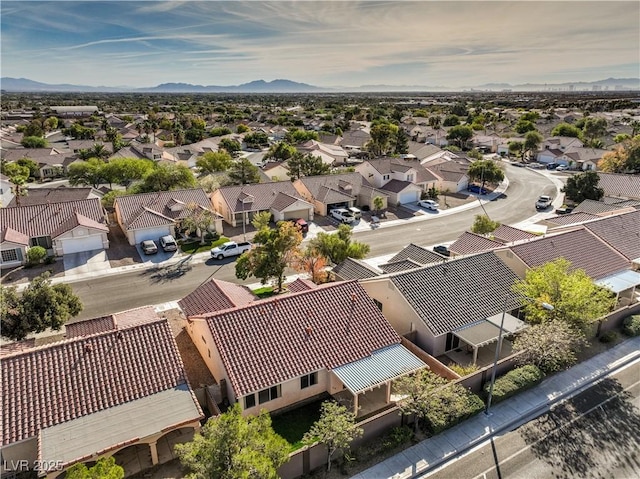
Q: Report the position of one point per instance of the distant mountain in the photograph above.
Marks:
(287, 86)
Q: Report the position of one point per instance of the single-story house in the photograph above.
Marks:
(281, 352)
(152, 215)
(61, 228)
(115, 387)
(280, 198)
(40, 196)
(472, 243)
(6, 191)
(619, 185)
(215, 295)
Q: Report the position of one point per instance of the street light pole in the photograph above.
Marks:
(546, 306)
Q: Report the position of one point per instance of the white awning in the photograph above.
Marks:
(511, 323)
(487, 331)
(621, 281)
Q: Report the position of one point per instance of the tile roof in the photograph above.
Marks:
(623, 186)
(264, 194)
(216, 295)
(44, 220)
(281, 338)
(346, 184)
(597, 207)
(402, 265)
(581, 247)
(449, 171)
(470, 243)
(153, 209)
(621, 232)
(570, 219)
(283, 201)
(396, 186)
(301, 284)
(418, 254)
(509, 234)
(459, 292)
(354, 269)
(69, 379)
(37, 196)
(13, 236)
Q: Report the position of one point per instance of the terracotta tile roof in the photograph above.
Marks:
(346, 184)
(328, 195)
(264, 194)
(78, 220)
(355, 269)
(301, 284)
(570, 219)
(44, 220)
(418, 254)
(459, 292)
(17, 347)
(596, 207)
(470, 243)
(623, 186)
(62, 381)
(216, 295)
(509, 234)
(396, 186)
(272, 341)
(621, 232)
(38, 196)
(283, 201)
(402, 265)
(581, 247)
(13, 236)
(90, 326)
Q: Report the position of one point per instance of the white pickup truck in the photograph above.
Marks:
(230, 248)
(543, 202)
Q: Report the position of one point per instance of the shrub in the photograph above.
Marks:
(514, 381)
(632, 325)
(36, 255)
(453, 411)
(608, 337)
(463, 370)
(397, 436)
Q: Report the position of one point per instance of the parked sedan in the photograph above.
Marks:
(442, 249)
(562, 168)
(429, 204)
(149, 247)
(477, 189)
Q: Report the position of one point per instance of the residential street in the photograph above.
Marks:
(109, 294)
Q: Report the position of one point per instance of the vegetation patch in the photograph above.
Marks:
(515, 381)
(196, 245)
(631, 325)
(264, 292)
(463, 370)
(292, 425)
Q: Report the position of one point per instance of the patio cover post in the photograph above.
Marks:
(475, 354)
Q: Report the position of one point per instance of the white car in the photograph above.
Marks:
(343, 215)
(429, 204)
(562, 168)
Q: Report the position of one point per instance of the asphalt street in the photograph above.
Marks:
(596, 434)
(108, 294)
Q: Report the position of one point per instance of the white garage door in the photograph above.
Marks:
(76, 245)
(408, 197)
(294, 215)
(152, 234)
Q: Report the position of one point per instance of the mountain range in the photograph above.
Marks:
(9, 84)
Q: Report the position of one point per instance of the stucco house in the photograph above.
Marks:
(281, 352)
(152, 215)
(330, 154)
(6, 191)
(60, 228)
(115, 387)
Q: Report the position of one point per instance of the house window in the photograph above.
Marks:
(44, 241)
(249, 401)
(378, 304)
(453, 342)
(308, 380)
(385, 177)
(203, 340)
(9, 255)
(409, 177)
(269, 394)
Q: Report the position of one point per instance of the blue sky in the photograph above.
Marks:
(329, 43)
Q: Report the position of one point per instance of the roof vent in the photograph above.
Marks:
(88, 348)
(308, 330)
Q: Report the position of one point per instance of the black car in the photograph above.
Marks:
(442, 249)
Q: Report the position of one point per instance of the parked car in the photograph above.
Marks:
(168, 243)
(343, 215)
(536, 166)
(149, 247)
(562, 168)
(477, 189)
(302, 225)
(429, 204)
(564, 210)
(230, 248)
(552, 166)
(543, 202)
(442, 249)
(357, 214)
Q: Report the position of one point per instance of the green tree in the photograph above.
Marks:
(532, 141)
(166, 177)
(378, 203)
(583, 186)
(552, 345)
(485, 171)
(213, 162)
(336, 429)
(124, 170)
(33, 142)
(576, 299)
(300, 165)
(18, 175)
(256, 140)
(36, 254)
(242, 128)
(460, 134)
(296, 136)
(231, 146)
(50, 123)
(40, 306)
(198, 220)
(243, 172)
(523, 126)
(105, 468)
(483, 225)
(621, 138)
(109, 198)
(516, 148)
(281, 151)
(34, 169)
(566, 129)
(338, 246)
(451, 120)
(594, 128)
(261, 220)
(220, 131)
(276, 249)
(98, 150)
(232, 446)
(89, 173)
(383, 138)
(401, 142)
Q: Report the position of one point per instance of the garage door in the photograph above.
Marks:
(76, 245)
(408, 197)
(294, 215)
(152, 234)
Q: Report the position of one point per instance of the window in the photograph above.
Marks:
(409, 177)
(385, 177)
(308, 380)
(249, 401)
(44, 241)
(269, 394)
(378, 304)
(9, 255)
(203, 340)
(453, 342)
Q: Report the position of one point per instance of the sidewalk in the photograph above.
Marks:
(504, 416)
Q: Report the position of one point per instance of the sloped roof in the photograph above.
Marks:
(70, 379)
(301, 284)
(264, 194)
(283, 200)
(37, 196)
(470, 243)
(396, 186)
(215, 295)
(281, 338)
(509, 234)
(596, 207)
(581, 247)
(418, 254)
(402, 265)
(570, 219)
(338, 183)
(78, 220)
(459, 292)
(621, 232)
(355, 269)
(623, 186)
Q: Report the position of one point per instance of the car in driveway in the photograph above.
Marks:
(149, 247)
(428, 204)
(477, 189)
(442, 250)
(168, 243)
(562, 168)
(343, 215)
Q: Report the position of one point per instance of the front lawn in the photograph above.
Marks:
(292, 425)
(195, 247)
(264, 292)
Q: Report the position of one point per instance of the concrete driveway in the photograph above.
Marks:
(95, 261)
(157, 258)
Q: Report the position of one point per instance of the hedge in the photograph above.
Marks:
(448, 415)
(632, 325)
(516, 380)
